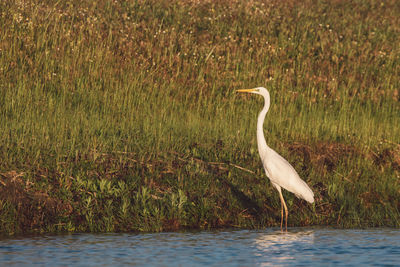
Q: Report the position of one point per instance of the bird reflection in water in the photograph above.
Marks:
(279, 247)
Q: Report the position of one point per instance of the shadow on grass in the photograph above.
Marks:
(247, 203)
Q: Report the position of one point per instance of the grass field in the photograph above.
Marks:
(122, 115)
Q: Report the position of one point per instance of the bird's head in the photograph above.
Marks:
(258, 90)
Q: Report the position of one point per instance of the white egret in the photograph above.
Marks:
(278, 170)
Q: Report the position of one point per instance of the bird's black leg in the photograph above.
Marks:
(281, 214)
(283, 205)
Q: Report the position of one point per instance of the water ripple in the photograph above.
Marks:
(228, 248)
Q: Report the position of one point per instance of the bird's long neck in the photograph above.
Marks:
(262, 144)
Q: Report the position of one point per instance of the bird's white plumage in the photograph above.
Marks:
(278, 169)
(281, 173)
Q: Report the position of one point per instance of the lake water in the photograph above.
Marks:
(268, 247)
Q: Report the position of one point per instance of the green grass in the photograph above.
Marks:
(122, 115)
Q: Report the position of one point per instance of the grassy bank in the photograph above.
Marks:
(122, 116)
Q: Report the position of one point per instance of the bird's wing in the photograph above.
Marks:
(280, 172)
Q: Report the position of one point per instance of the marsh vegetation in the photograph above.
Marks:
(122, 116)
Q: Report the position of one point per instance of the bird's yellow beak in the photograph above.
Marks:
(245, 90)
